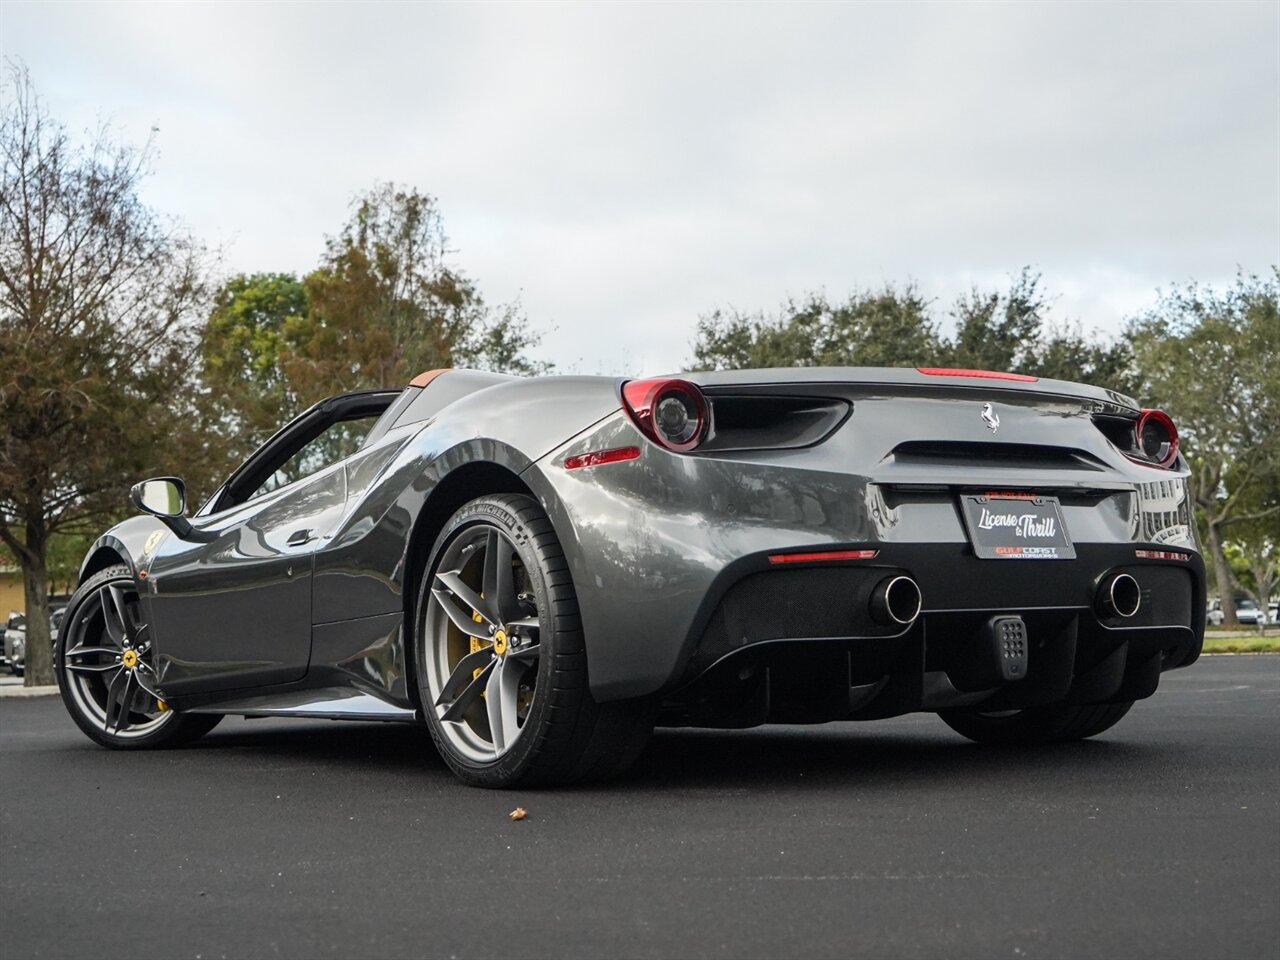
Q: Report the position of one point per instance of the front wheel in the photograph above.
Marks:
(105, 665)
(1053, 723)
(501, 663)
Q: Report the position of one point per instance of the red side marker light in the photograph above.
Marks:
(814, 557)
(979, 374)
(599, 457)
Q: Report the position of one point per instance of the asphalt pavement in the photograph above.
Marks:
(890, 839)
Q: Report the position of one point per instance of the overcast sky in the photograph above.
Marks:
(622, 169)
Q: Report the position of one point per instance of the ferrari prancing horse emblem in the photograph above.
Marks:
(990, 417)
(153, 541)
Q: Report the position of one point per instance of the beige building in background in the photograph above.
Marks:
(11, 597)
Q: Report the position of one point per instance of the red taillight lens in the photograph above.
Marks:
(1156, 437)
(672, 413)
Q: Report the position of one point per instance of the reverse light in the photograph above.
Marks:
(672, 413)
(1156, 437)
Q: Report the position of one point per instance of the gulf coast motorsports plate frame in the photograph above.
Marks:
(1015, 526)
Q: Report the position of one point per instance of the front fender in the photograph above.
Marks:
(132, 542)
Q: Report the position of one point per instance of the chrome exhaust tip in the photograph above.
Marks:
(1119, 596)
(895, 600)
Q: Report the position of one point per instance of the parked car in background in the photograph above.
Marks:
(15, 639)
(55, 623)
(15, 642)
(1248, 613)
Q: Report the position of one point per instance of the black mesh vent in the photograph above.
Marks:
(816, 602)
(1166, 597)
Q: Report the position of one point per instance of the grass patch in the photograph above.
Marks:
(1241, 644)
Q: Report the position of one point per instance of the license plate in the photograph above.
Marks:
(1016, 528)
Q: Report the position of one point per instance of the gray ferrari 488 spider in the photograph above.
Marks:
(542, 570)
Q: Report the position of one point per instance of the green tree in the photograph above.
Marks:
(1211, 358)
(96, 291)
(1261, 554)
(1064, 352)
(386, 304)
(894, 327)
(1254, 549)
(242, 348)
(998, 331)
(886, 327)
(67, 550)
(1011, 330)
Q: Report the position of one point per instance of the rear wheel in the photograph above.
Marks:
(502, 669)
(1052, 723)
(105, 664)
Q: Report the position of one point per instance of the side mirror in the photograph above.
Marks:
(166, 498)
(160, 497)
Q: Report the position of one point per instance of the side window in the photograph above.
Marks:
(339, 440)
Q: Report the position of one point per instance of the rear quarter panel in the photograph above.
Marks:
(361, 570)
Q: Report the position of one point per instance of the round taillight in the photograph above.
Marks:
(672, 413)
(1156, 437)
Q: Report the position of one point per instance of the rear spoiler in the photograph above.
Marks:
(920, 380)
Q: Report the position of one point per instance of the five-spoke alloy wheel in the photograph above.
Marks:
(105, 664)
(501, 662)
(482, 669)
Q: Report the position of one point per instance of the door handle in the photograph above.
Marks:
(299, 537)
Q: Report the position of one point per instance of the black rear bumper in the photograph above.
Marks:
(799, 643)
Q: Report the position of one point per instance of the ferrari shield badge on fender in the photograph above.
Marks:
(990, 417)
(153, 541)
